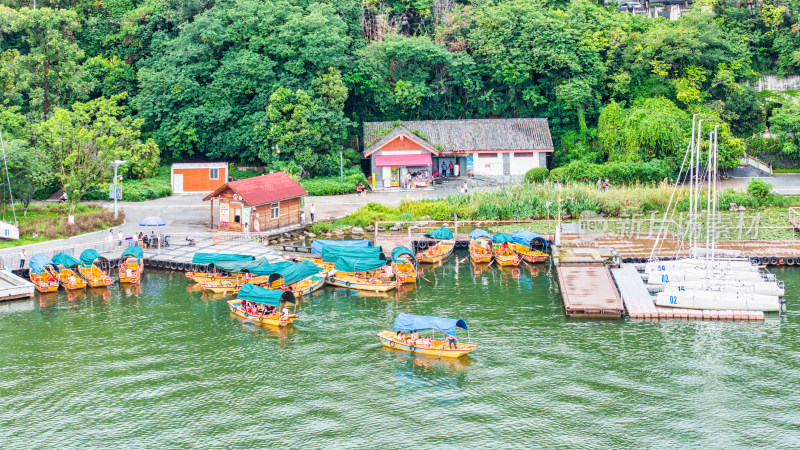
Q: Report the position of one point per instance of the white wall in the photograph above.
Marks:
(492, 167)
(522, 164)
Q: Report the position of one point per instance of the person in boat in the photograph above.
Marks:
(504, 248)
(128, 271)
(388, 272)
(428, 342)
(285, 313)
(400, 337)
(452, 342)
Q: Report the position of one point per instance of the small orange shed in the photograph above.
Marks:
(198, 177)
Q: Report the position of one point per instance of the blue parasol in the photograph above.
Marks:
(152, 222)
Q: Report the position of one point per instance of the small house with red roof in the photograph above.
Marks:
(257, 204)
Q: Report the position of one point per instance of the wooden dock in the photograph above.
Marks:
(588, 291)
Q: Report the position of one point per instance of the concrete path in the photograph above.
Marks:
(782, 183)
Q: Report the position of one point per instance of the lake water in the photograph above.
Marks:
(166, 367)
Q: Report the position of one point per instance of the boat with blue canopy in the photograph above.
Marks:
(448, 347)
(301, 278)
(43, 273)
(530, 246)
(319, 244)
(131, 267)
(502, 251)
(480, 246)
(442, 247)
(366, 274)
(67, 275)
(263, 306)
(405, 264)
(94, 275)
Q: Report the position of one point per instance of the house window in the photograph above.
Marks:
(487, 155)
(237, 215)
(213, 174)
(274, 211)
(523, 155)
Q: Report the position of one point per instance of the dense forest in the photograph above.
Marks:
(287, 83)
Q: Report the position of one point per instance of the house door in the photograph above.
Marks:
(395, 176)
(177, 183)
(506, 163)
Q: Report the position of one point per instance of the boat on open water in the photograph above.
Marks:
(301, 278)
(448, 347)
(366, 274)
(263, 306)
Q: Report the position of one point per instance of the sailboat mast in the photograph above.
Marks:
(708, 200)
(8, 179)
(714, 205)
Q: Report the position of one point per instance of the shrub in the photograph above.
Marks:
(759, 189)
(536, 175)
(617, 172)
(332, 186)
(321, 227)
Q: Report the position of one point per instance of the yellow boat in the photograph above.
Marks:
(70, 279)
(405, 264)
(530, 246)
(503, 254)
(442, 349)
(301, 278)
(530, 255)
(480, 246)
(94, 276)
(264, 297)
(131, 267)
(367, 281)
(232, 284)
(442, 249)
(43, 273)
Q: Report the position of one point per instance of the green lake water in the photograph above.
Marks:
(166, 367)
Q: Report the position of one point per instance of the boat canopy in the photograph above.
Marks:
(523, 237)
(397, 252)
(500, 238)
(65, 260)
(440, 233)
(239, 266)
(354, 265)
(296, 272)
(136, 252)
(410, 322)
(39, 261)
(319, 244)
(331, 253)
(89, 256)
(253, 293)
(208, 258)
(479, 233)
(269, 269)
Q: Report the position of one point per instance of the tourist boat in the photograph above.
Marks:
(94, 276)
(694, 264)
(210, 259)
(410, 322)
(131, 267)
(67, 272)
(752, 287)
(502, 251)
(704, 299)
(258, 275)
(405, 264)
(256, 294)
(301, 278)
(480, 246)
(362, 274)
(43, 273)
(441, 250)
(531, 247)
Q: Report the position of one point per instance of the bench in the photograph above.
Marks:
(295, 248)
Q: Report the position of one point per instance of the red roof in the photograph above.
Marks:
(264, 189)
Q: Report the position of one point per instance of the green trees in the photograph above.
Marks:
(83, 142)
(653, 128)
(785, 123)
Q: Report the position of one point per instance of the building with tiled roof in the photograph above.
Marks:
(262, 203)
(416, 150)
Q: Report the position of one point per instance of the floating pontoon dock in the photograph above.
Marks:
(588, 291)
(13, 287)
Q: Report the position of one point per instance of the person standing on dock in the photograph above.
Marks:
(119, 237)
(311, 211)
(22, 258)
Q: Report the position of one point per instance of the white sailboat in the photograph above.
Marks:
(710, 282)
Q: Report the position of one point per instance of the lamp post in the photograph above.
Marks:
(341, 166)
(116, 165)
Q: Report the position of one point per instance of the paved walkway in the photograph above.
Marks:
(782, 183)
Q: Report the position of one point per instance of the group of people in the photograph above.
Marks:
(451, 169)
(146, 241)
(602, 185)
(259, 309)
(417, 341)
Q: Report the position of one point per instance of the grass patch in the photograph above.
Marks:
(138, 190)
(49, 221)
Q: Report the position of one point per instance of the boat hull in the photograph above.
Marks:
(362, 284)
(405, 271)
(439, 349)
(719, 300)
(44, 282)
(439, 252)
(64, 275)
(506, 257)
(307, 286)
(137, 270)
(529, 255)
(479, 253)
(273, 319)
(95, 277)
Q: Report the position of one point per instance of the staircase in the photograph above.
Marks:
(756, 163)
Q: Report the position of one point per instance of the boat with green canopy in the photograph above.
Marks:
(449, 347)
(503, 252)
(68, 274)
(256, 272)
(330, 253)
(367, 274)
(405, 264)
(263, 306)
(302, 278)
(131, 267)
(210, 260)
(441, 249)
(94, 275)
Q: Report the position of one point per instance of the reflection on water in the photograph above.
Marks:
(165, 365)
